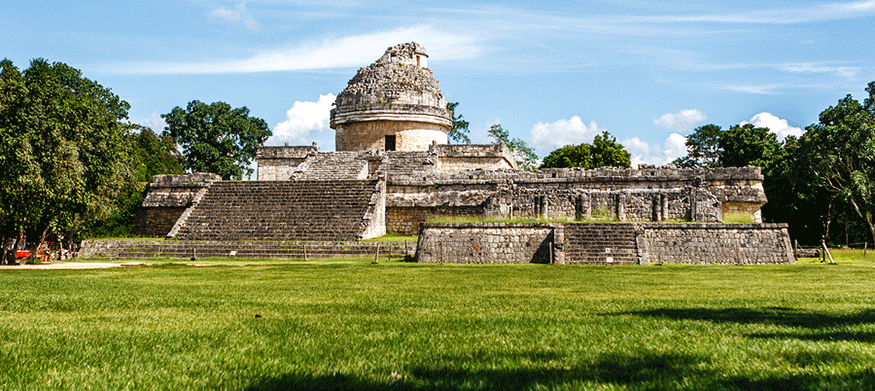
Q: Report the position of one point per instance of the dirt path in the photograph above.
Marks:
(70, 265)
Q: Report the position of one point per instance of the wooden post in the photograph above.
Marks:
(551, 252)
(865, 247)
(377, 254)
(405, 247)
(826, 250)
(304, 250)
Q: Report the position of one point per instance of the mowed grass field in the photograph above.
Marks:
(350, 325)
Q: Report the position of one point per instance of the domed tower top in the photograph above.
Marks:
(393, 104)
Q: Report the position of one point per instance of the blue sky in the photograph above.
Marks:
(552, 74)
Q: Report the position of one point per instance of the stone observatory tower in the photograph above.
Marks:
(393, 104)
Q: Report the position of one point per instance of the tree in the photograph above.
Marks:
(154, 154)
(569, 156)
(747, 145)
(62, 150)
(525, 157)
(703, 147)
(150, 154)
(605, 151)
(216, 138)
(459, 132)
(839, 151)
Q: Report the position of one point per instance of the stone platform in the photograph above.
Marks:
(605, 243)
(185, 249)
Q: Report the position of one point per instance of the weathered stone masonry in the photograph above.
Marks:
(605, 243)
(644, 194)
(186, 249)
(393, 171)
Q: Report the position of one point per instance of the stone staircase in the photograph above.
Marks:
(404, 164)
(333, 166)
(282, 210)
(600, 244)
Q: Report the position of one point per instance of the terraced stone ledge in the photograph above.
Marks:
(288, 249)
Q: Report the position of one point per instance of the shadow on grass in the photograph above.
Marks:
(779, 316)
(820, 336)
(639, 372)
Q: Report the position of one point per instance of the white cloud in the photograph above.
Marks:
(237, 15)
(775, 124)
(848, 72)
(304, 121)
(760, 90)
(681, 121)
(563, 132)
(645, 153)
(350, 51)
(154, 122)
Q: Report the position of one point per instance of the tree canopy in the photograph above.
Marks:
(62, 149)
(459, 132)
(703, 147)
(526, 158)
(605, 151)
(216, 138)
(149, 155)
(839, 153)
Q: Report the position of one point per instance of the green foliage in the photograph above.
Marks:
(154, 154)
(569, 156)
(150, 155)
(216, 138)
(401, 326)
(741, 145)
(703, 147)
(839, 155)
(747, 145)
(605, 151)
(459, 132)
(62, 149)
(525, 156)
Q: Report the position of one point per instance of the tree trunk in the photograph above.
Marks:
(3, 251)
(866, 216)
(37, 251)
(12, 258)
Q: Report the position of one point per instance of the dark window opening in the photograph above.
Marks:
(390, 143)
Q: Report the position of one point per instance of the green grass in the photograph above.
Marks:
(390, 237)
(738, 218)
(351, 325)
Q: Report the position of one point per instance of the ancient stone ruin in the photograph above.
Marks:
(393, 170)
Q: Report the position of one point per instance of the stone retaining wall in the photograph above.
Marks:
(185, 249)
(485, 243)
(605, 243)
(731, 243)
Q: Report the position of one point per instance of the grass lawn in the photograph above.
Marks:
(269, 325)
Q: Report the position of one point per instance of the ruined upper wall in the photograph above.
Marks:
(279, 163)
(176, 191)
(393, 88)
(285, 152)
(728, 184)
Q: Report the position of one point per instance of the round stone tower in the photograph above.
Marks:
(393, 104)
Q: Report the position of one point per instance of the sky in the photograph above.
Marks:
(551, 74)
